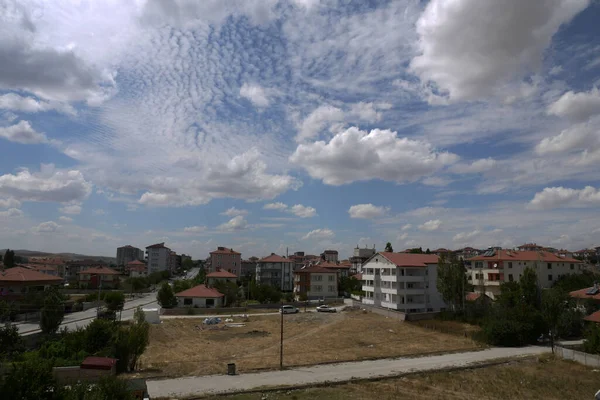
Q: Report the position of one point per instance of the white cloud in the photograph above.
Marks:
(367, 211)
(555, 197)
(303, 211)
(72, 209)
(15, 102)
(255, 93)
(406, 227)
(194, 229)
(402, 237)
(47, 185)
(577, 107)
(11, 213)
(465, 236)
(356, 155)
(9, 203)
(99, 211)
(23, 133)
(236, 223)
(64, 219)
(476, 167)
(436, 181)
(470, 47)
(275, 206)
(232, 212)
(584, 137)
(370, 112)
(322, 233)
(431, 225)
(318, 120)
(46, 227)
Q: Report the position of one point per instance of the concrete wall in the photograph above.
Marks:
(200, 302)
(590, 360)
(66, 375)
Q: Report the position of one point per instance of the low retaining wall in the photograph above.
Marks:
(66, 375)
(590, 360)
(399, 315)
(240, 310)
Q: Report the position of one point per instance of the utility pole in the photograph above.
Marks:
(281, 340)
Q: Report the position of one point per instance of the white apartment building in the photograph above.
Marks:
(359, 257)
(276, 271)
(487, 271)
(158, 256)
(402, 281)
(315, 282)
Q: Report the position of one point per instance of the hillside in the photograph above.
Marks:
(66, 256)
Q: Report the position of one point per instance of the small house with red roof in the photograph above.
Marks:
(106, 277)
(16, 282)
(276, 271)
(402, 281)
(315, 282)
(220, 276)
(226, 259)
(200, 296)
(136, 269)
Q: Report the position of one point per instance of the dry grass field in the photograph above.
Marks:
(549, 379)
(177, 347)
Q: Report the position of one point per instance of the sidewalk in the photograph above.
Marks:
(219, 384)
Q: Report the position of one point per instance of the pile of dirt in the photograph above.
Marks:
(255, 333)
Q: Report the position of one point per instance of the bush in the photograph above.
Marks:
(114, 301)
(592, 339)
(11, 343)
(52, 312)
(166, 298)
(512, 327)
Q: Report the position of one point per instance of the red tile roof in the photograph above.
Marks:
(520, 255)
(581, 294)
(20, 274)
(330, 265)
(594, 317)
(224, 250)
(275, 258)
(200, 291)
(135, 262)
(99, 271)
(157, 246)
(221, 274)
(46, 261)
(98, 363)
(315, 269)
(409, 259)
(472, 296)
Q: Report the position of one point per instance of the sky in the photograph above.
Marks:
(298, 125)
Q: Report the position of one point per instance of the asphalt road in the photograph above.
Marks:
(83, 318)
(215, 384)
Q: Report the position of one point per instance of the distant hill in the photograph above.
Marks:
(66, 256)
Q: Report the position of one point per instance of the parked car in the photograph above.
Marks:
(325, 308)
(288, 310)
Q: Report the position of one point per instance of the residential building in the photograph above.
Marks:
(342, 269)
(402, 281)
(220, 276)
(48, 265)
(249, 267)
(128, 253)
(564, 253)
(106, 277)
(530, 247)
(226, 259)
(487, 271)
(46, 269)
(466, 253)
(441, 252)
(315, 282)
(359, 257)
(200, 296)
(276, 271)
(136, 269)
(298, 259)
(72, 268)
(584, 254)
(159, 258)
(174, 262)
(330, 256)
(16, 282)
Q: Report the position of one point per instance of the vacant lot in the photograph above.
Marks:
(549, 380)
(179, 347)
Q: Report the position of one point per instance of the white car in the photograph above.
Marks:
(288, 310)
(326, 308)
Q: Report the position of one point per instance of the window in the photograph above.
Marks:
(318, 278)
(510, 277)
(331, 288)
(318, 288)
(549, 266)
(550, 277)
(331, 278)
(510, 265)
(470, 277)
(187, 301)
(478, 264)
(572, 266)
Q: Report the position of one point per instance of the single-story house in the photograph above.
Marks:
(200, 296)
(593, 317)
(220, 276)
(16, 282)
(583, 295)
(91, 277)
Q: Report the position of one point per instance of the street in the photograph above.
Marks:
(83, 318)
(217, 384)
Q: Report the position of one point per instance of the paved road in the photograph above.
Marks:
(213, 384)
(83, 318)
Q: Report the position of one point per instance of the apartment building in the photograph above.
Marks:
(315, 282)
(249, 267)
(226, 259)
(105, 277)
(159, 258)
(330, 256)
(126, 254)
(402, 281)
(487, 271)
(359, 257)
(276, 271)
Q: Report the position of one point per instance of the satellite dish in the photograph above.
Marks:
(495, 265)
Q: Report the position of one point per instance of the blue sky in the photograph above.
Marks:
(305, 124)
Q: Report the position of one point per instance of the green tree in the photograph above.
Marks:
(138, 283)
(9, 259)
(553, 307)
(350, 285)
(389, 248)
(30, 380)
(570, 282)
(52, 312)
(201, 277)
(592, 339)
(452, 281)
(99, 335)
(131, 342)
(187, 264)
(165, 296)
(115, 301)
(231, 292)
(182, 284)
(107, 388)
(529, 287)
(11, 342)
(428, 251)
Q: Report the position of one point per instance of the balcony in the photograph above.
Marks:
(492, 283)
(412, 278)
(366, 277)
(386, 304)
(368, 288)
(389, 278)
(389, 290)
(413, 291)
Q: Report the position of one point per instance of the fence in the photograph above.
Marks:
(589, 360)
(236, 310)
(399, 315)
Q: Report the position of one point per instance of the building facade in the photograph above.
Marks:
(330, 256)
(136, 269)
(487, 271)
(402, 281)
(249, 267)
(315, 282)
(200, 296)
(359, 257)
(276, 271)
(159, 258)
(226, 259)
(127, 254)
(104, 277)
(220, 276)
(17, 282)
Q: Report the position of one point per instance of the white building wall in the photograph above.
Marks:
(199, 302)
(158, 259)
